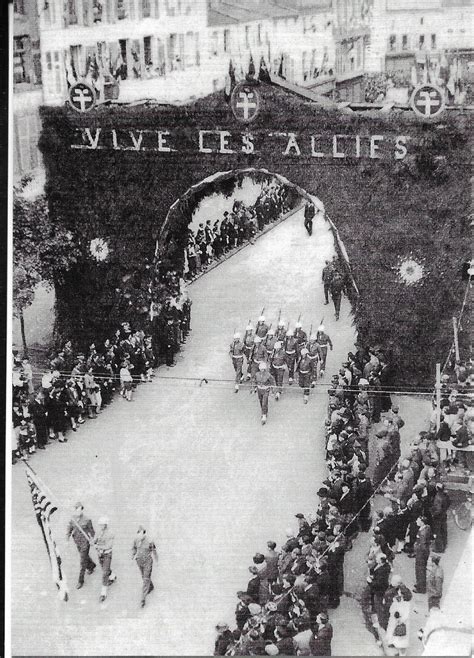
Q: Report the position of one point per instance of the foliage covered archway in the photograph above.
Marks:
(105, 183)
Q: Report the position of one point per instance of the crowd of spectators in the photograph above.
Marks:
(79, 384)
(285, 608)
(212, 241)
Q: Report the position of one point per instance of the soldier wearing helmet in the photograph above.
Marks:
(262, 328)
(259, 355)
(236, 352)
(281, 331)
(301, 337)
(323, 341)
(278, 367)
(248, 341)
(313, 354)
(264, 382)
(269, 341)
(290, 351)
(305, 371)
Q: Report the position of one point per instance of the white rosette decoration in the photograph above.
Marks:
(99, 249)
(410, 271)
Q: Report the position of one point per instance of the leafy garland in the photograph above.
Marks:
(384, 210)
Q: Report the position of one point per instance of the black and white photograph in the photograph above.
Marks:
(240, 368)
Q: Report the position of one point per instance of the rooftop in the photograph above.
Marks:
(228, 12)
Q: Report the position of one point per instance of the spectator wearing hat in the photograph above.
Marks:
(434, 581)
(378, 580)
(82, 531)
(320, 644)
(422, 552)
(144, 551)
(363, 491)
(439, 515)
(383, 457)
(242, 612)
(223, 640)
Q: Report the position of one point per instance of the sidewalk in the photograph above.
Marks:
(415, 413)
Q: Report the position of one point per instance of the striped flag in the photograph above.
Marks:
(44, 509)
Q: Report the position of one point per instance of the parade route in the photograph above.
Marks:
(193, 464)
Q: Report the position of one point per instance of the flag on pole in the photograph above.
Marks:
(251, 70)
(230, 82)
(44, 509)
(263, 74)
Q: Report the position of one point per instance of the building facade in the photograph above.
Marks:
(27, 88)
(424, 41)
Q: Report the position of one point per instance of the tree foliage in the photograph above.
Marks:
(41, 252)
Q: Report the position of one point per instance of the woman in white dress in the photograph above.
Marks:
(398, 629)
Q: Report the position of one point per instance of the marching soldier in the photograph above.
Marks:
(323, 341)
(305, 370)
(82, 531)
(281, 331)
(104, 541)
(278, 367)
(301, 337)
(249, 339)
(337, 287)
(262, 328)
(313, 354)
(237, 355)
(290, 351)
(327, 276)
(259, 355)
(143, 551)
(269, 342)
(264, 383)
(309, 212)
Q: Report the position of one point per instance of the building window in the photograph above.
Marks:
(404, 41)
(392, 42)
(19, 7)
(247, 36)
(37, 68)
(147, 51)
(71, 12)
(433, 41)
(121, 13)
(421, 20)
(421, 41)
(226, 41)
(170, 7)
(21, 49)
(214, 44)
(146, 8)
(123, 59)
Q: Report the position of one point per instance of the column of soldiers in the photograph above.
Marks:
(263, 356)
(82, 531)
(213, 240)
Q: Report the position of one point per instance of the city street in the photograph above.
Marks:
(193, 464)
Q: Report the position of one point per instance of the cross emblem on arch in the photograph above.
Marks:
(245, 102)
(82, 97)
(427, 101)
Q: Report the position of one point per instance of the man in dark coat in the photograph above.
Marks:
(363, 491)
(309, 213)
(336, 287)
(378, 584)
(327, 275)
(223, 640)
(320, 644)
(422, 553)
(439, 515)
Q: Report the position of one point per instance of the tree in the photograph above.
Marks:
(41, 250)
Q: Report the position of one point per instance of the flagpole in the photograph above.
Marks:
(53, 495)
